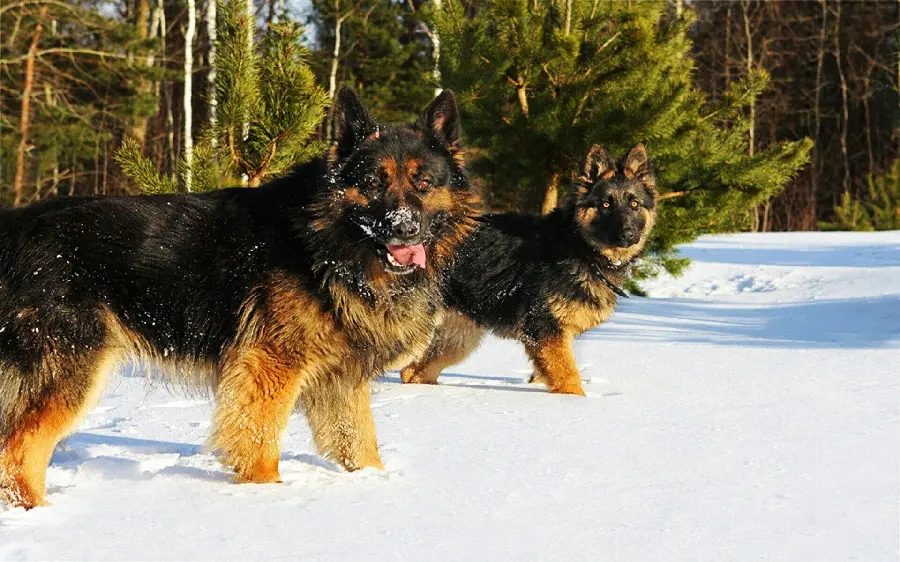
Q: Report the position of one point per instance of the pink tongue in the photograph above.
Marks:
(408, 255)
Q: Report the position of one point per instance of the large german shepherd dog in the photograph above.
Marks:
(300, 290)
(545, 279)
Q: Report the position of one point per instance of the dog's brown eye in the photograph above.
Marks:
(634, 204)
(424, 184)
(606, 204)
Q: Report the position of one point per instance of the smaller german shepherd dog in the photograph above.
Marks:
(301, 290)
(545, 279)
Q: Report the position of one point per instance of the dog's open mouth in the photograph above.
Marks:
(403, 259)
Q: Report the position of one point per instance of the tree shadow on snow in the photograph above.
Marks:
(735, 252)
(859, 323)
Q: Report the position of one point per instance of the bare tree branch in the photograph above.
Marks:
(62, 51)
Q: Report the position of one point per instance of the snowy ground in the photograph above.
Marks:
(750, 411)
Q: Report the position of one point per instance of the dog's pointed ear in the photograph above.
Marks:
(441, 117)
(598, 164)
(637, 165)
(351, 124)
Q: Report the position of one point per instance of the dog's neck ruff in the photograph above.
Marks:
(612, 286)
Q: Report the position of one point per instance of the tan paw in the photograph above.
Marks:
(19, 495)
(411, 376)
(260, 473)
(568, 389)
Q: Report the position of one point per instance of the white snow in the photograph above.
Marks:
(751, 411)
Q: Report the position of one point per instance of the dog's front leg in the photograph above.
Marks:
(255, 397)
(340, 416)
(555, 365)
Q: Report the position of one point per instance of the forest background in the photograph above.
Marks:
(759, 115)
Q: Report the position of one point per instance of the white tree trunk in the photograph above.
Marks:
(817, 113)
(436, 52)
(188, 86)
(745, 4)
(335, 59)
(335, 56)
(251, 31)
(210, 16)
(155, 19)
(251, 20)
(845, 113)
(159, 16)
(749, 35)
(727, 44)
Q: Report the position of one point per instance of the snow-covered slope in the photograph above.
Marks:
(750, 411)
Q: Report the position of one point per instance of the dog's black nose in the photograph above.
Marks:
(629, 233)
(406, 229)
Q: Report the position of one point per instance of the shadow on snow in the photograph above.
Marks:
(858, 323)
(734, 252)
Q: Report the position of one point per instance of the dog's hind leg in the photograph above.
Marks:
(554, 364)
(340, 416)
(454, 339)
(254, 399)
(46, 415)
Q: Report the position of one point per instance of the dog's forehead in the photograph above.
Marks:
(399, 143)
(619, 186)
(394, 139)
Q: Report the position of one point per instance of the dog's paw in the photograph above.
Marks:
(412, 376)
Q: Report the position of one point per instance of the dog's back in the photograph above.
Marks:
(510, 270)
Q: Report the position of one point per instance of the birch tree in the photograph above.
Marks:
(817, 107)
(138, 128)
(268, 91)
(435, 37)
(188, 91)
(335, 60)
(385, 51)
(212, 99)
(751, 123)
(251, 22)
(845, 110)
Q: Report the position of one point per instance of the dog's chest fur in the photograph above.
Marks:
(595, 307)
(387, 334)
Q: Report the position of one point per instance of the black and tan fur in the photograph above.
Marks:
(272, 296)
(540, 279)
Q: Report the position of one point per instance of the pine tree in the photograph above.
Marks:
(385, 53)
(268, 86)
(539, 82)
(878, 209)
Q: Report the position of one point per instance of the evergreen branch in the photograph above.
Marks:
(608, 42)
(273, 145)
(236, 156)
(141, 169)
(674, 194)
